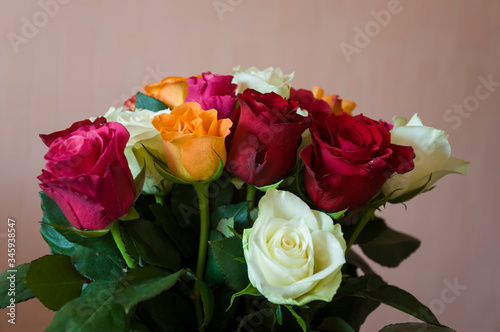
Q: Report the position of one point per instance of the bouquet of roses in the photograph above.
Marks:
(228, 203)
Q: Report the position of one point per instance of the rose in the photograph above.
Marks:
(294, 254)
(213, 91)
(264, 81)
(267, 135)
(87, 174)
(48, 139)
(349, 161)
(142, 134)
(336, 104)
(171, 90)
(193, 141)
(433, 158)
(307, 101)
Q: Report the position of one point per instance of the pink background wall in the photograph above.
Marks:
(88, 55)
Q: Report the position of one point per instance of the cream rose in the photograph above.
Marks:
(294, 254)
(138, 124)
(264, 81)
(432, 156)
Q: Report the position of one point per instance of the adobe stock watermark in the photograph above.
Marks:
(223, 6)
(363, 37)
(449, 294)
(153, 75)
(469, 104)
(31, 27)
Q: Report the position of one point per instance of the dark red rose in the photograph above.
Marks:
(349, 161)
(87, 174)
(213, 91)
(268, 131)
(306, 100)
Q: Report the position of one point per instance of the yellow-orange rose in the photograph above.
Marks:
(336, 104)
(170, 90)
(193, 140)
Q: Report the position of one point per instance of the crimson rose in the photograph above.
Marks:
(267, 135)
(87, 174)
(213, 91)
(349, 161)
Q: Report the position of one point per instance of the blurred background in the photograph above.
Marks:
(62, 61)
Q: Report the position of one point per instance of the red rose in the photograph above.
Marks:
(213, 91)
(267, 135)
(349, 161)
(87, 174)
(317, 107)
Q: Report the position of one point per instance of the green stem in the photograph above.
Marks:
(367, 216)
(115, 231)
(203, 202)
(251, 192)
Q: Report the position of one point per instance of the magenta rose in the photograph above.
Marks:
(87, 174)
(268, 132)
(349, 161)
(213, 91)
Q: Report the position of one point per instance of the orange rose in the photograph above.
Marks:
(336, 104)
(193, 140)
(170, 90)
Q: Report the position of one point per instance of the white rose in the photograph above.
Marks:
(264, 81)
(138, 124)
(294, 254)
(432, 156)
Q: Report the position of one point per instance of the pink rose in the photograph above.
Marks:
(213, 91)
(87, 174)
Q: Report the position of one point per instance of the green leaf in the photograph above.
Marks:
(54, 280)
(207, 298)
(271, 186)
(224, 226)
(237, 211)
(390, 247)
(297, 317)
(52, 214)
(149, 103)
(183, 239)
(94, 311)
(95, 265)
(57, 243)
(153, 244)
(225, 251)
(352, 310)
(249, 290)
(167, 311)
(417, 327)
(213, 274)
(19, 292)
(335, 324)
(144, 283)
(404, 301)
(372, 287)
(137, 326)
